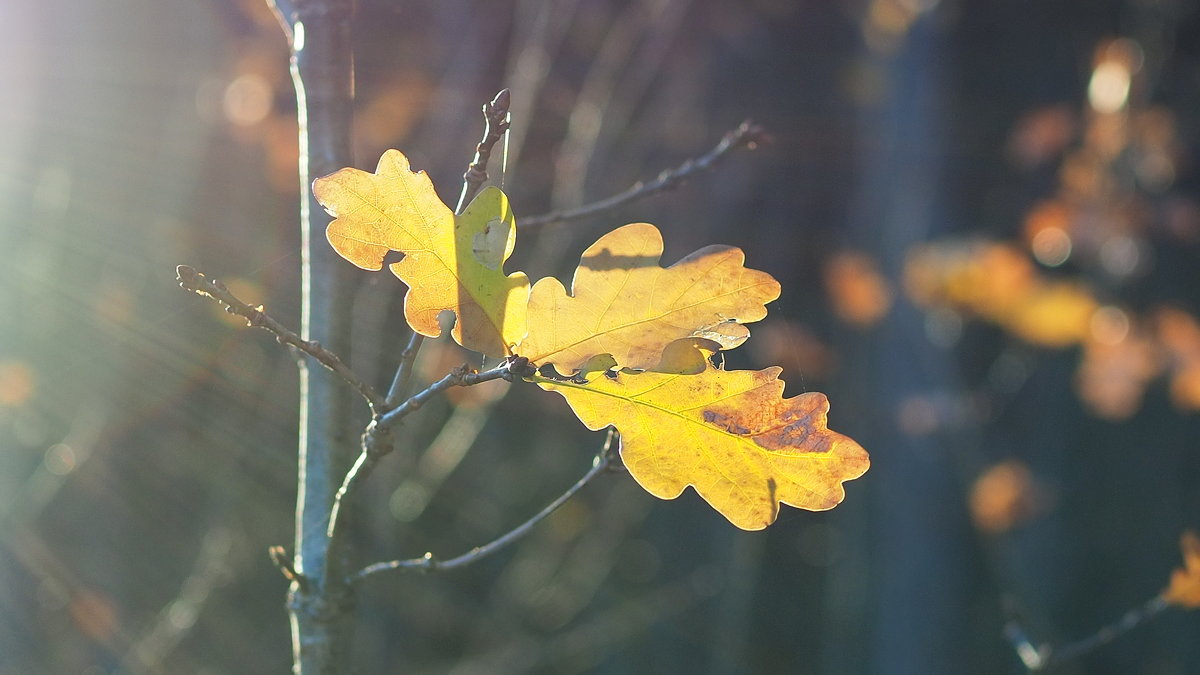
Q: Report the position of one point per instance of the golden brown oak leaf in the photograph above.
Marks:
(450, 262)
(1184, 590)
(729, 434)
(624, 304)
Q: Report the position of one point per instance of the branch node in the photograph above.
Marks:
(280, 557)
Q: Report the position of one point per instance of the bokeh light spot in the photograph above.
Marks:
(1108, 90)
(1110, 325)
(247, 99)
(60, 459)
(1051, 246)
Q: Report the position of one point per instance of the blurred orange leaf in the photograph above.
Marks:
(998, 283)
(729, 434)
(1184, 589)
(1055, 315)
(859, 293)
(1179, 333)
(1004, 496)
(1113, 376)
(450, 262)
(622, 303)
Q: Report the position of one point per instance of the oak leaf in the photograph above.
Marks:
(451, 262)
(729, 434)
(1184, 590)
(622, 303)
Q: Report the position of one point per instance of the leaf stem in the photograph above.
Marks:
(197, 282)
(603, 462)
(746, 135)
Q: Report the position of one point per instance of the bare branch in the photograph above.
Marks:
(603, 463)
(747, 135)
(495, 115)
(191, 279)
(1045, 657)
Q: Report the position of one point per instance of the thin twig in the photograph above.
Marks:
(495, 115)
(403, 378)
(211, 569)
(462, 376)
(428, 563)
(1044, 657)
(191, 279)
(747, 135)
(377, 440)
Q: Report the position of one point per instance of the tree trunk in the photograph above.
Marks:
(322, 65)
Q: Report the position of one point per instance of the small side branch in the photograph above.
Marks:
(747, 135)
(377, 440)
(403, 378)
(1045, 657)
(463, 376)
(192, 280)
(604, 462)
(495, 115)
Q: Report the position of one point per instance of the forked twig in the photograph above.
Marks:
(377, 440)
(747, 135)
(604, 462)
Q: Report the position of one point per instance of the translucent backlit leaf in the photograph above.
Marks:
(729, 434)
(624, 304)
(450, 262)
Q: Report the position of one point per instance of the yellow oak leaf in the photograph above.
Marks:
(729, 434)
(1184, 590)
(624, 304)
(450, 262)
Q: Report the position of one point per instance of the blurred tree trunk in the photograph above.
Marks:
(921, 554)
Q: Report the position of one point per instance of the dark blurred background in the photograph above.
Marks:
(984, 215)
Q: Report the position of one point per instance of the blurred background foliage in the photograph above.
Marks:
(985, 216)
